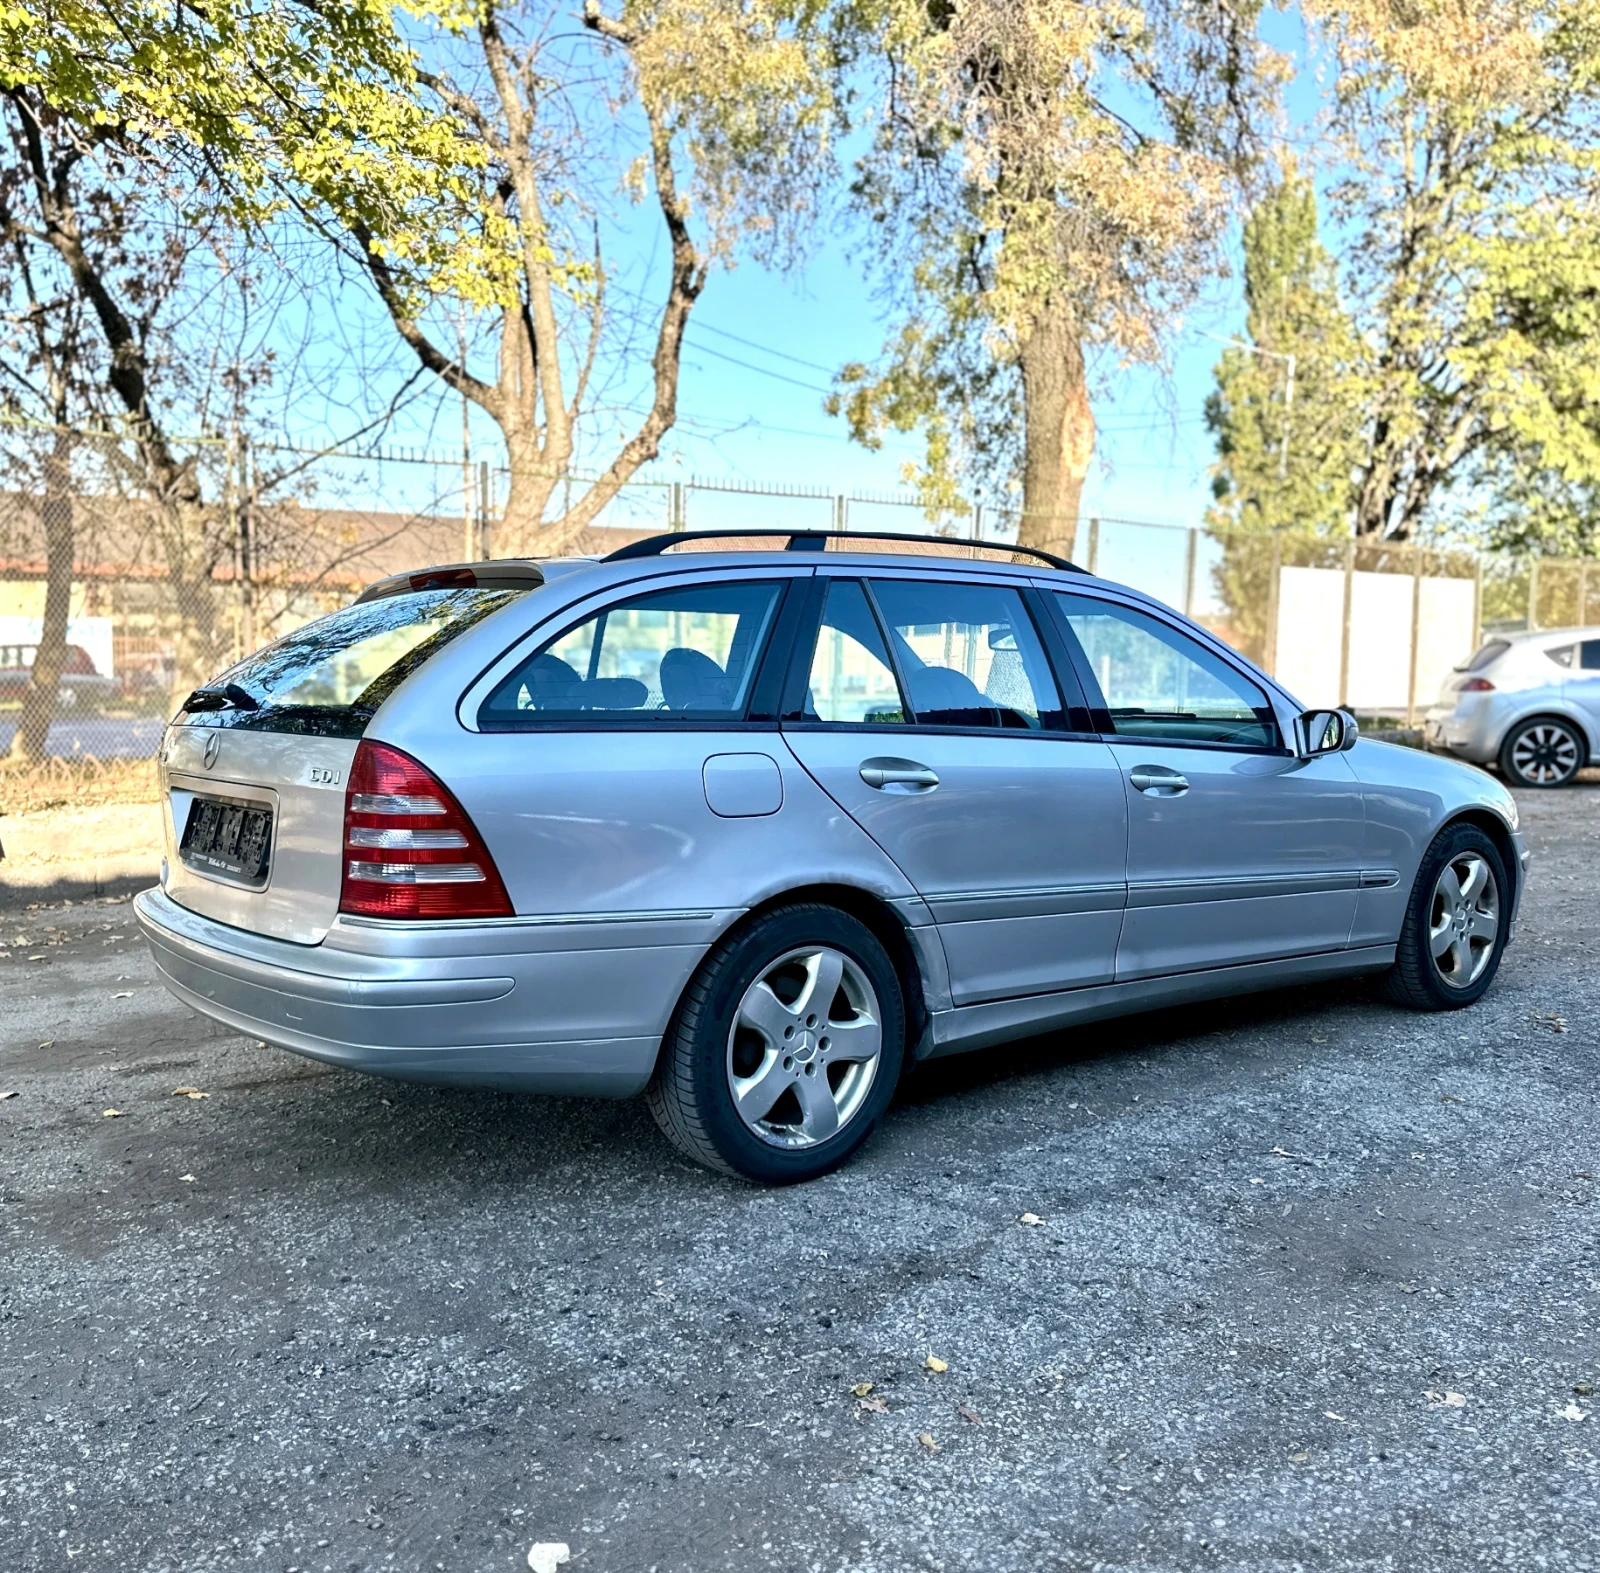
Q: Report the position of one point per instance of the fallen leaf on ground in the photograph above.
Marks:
(111, 1114)
(971, 1417)
(188, 1177)
(36, 958)
(1445, 1399)
(1299, 1458)
(1582, 1389)
(872, 1406)
(1448, 1097)
(927, 1441)
(5, 1095)
(1572, 1412)
(189, 1092)
(936, 1365)
(1031, 1219)
(548, 1555)
(49, 1043)
(123, 994)
(1328, 1414)
(861, 1389)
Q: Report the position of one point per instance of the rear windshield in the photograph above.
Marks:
(328, 678)
(1481, 657)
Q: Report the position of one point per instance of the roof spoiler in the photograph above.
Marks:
(817, 541)
(513, 574)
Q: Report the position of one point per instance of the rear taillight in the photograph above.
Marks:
(409, 849)
(1476, 685)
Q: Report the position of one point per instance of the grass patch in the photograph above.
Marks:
(75, 783)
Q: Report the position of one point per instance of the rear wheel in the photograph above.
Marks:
(1544, 752)
(785, 1050)
(1455, 927)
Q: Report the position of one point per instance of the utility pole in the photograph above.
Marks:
(1288, 390)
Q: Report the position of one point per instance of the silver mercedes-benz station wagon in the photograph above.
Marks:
(751, 830)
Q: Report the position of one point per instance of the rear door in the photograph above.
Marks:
(255, 787)
(925, 707)
(1582, 687)
(1238, 851)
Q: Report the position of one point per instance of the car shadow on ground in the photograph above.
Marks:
(306, 1121)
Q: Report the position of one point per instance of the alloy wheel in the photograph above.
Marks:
(1545, 754)
(804, 1048)
(1463, 920)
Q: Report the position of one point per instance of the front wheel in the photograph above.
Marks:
(1543, 752)
(785, 1049)
(1455, 927)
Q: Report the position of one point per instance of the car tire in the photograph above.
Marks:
(1454, 935)
(749, 1069)
(1543, 751)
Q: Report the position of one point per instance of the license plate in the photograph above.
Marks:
(228, 838)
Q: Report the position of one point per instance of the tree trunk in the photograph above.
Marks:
(32, 738)
(519, 530)
(1058, 431)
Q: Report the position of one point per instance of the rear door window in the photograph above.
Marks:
(329, 677)
(687, 653)
(969, 654)
(852, 679)
(1589, 655)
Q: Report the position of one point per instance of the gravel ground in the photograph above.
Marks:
(1313, 1286)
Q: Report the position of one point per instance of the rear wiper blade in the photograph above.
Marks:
(221, 698)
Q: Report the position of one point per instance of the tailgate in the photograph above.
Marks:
(254, 835)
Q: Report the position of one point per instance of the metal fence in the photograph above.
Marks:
(167, 585)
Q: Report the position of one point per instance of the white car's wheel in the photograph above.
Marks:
(1547, 751)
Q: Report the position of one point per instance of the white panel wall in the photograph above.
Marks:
(1310, 631)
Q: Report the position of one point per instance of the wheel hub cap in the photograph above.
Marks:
(803, 1050)
(1464, 920)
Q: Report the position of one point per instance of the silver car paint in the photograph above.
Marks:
(1527, 683)
(624, 868)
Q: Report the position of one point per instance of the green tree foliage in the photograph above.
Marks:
(1286, 435)
(1046, 177)
(463, 154)
(1467, 134)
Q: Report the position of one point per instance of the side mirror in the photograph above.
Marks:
(1325, 732)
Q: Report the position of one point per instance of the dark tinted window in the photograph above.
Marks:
(1490, 650)
(681, 653)
(969, 654)
(328, 677)
(1589, 651)
(1159, 684)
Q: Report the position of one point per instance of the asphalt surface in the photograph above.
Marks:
(72, 735)
(1314, 1288)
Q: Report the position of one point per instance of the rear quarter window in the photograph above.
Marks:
(328, 678)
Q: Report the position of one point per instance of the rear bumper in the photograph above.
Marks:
(1476, 739)
(564, 1006)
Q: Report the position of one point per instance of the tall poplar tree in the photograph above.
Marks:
(1286, 430)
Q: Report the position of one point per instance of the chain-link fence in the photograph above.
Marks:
(149, 591)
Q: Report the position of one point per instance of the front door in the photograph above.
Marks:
(930, 715)
(1238, 851)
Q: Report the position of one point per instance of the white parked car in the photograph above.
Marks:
(1529, 703)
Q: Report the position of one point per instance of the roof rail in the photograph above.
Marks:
(816, 541)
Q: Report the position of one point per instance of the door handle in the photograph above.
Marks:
(1158, 780)
(883, 772)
